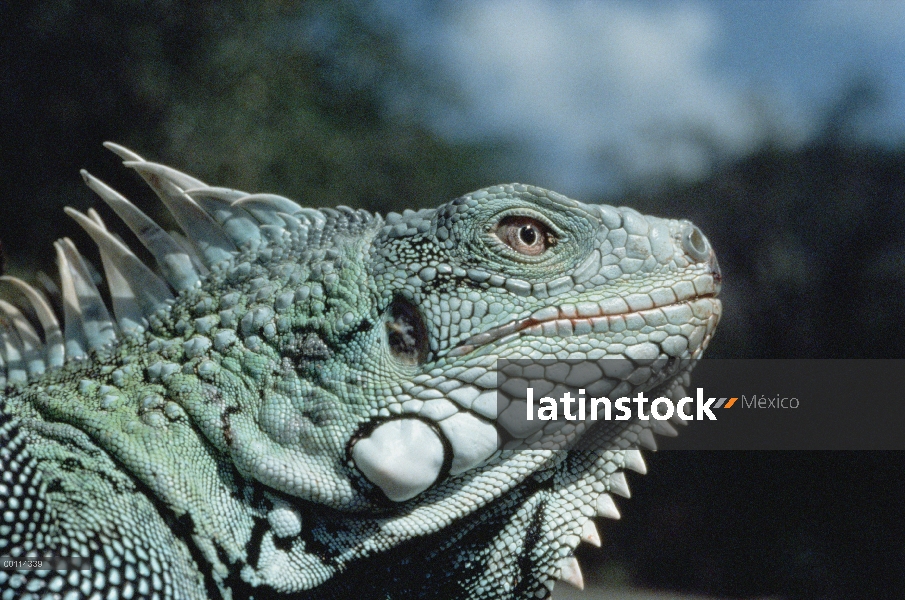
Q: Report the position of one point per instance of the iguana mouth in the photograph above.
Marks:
(578, 319)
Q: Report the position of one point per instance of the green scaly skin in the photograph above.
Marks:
(210, 454)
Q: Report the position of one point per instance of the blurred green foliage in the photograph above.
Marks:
(286, 97)
(303, 99)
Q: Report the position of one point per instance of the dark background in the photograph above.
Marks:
(810, 242)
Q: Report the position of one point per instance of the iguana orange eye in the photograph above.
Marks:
(525, 235)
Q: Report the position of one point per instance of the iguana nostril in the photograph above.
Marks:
(695, 244)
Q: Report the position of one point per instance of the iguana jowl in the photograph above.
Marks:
(301, 403)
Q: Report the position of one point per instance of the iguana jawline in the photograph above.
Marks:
(527, 324)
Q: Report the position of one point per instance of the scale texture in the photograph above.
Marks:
(301, 403)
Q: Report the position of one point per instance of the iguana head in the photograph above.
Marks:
(517, 273)
(348, 362)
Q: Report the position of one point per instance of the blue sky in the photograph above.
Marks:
(600, 95)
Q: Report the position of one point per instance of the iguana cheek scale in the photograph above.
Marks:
(403, 457)
(297, 402)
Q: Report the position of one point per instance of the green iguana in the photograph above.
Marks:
(301, 403)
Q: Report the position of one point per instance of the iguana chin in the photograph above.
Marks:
(301, 403)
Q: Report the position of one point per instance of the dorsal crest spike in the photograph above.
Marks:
(265, 206)
(31, 343)
(14, 348)
(53, 335)
(241, 227)
(135, 290)
(227, 194)
(149, 170)
(203, 232)
(76, 344)
(123, 152)
(84, 309)
(174, 263)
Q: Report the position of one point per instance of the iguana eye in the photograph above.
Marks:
(525, 235)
